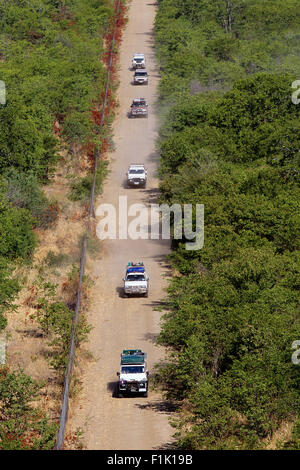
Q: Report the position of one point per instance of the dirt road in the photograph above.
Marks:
(118, 323)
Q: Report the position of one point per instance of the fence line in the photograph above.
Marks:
(69, 369)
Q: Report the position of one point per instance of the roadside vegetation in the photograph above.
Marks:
(229, 139)
(50, 54)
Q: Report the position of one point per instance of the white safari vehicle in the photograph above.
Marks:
(133, 375)
(136, 280)
(136, 175)
(140, 77)
(138, 108)
(138, 61)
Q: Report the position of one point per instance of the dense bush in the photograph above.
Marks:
(209, 44)
(50, 54)
(81, 187)
(52, 70)
(22, 425)
(9, 288)
(233, 308)
(24, 191)
(49, 61)
(55, 319)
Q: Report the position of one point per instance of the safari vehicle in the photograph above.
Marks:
(138, 61)
(136, 280)
(138, 108)
(140, 77)
(133, 375)
(136, 175)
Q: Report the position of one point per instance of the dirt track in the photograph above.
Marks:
(118, 323)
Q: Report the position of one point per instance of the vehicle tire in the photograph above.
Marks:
(120, 395)
(125, 295)
(146, 294)
(145, 394)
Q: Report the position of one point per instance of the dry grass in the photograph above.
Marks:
(26, 345)
(283, 434)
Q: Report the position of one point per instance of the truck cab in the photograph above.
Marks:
(138, 61)
(133, 375)
(136, 280)
(138, 108)
(140, 77)
(136, 175)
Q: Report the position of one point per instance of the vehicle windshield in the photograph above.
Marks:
(141, 74)
(135, 277)
(133, 370)
(136, 172)
(138, 60)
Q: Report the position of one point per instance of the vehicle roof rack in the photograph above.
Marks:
(135, 356)
(138, 263)
(135, 269)
(128, 352)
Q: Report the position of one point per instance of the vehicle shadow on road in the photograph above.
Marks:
(160, 406)
(111, 386)
(147, 33)
(153, 157)
(157, 305)
(120, 292)
(151, 337)
(125, 184)
(167, 446)
(151, 196)
(138, 85)
(163, 260)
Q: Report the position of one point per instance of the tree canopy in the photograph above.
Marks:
(50, 53)
(229, 139)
